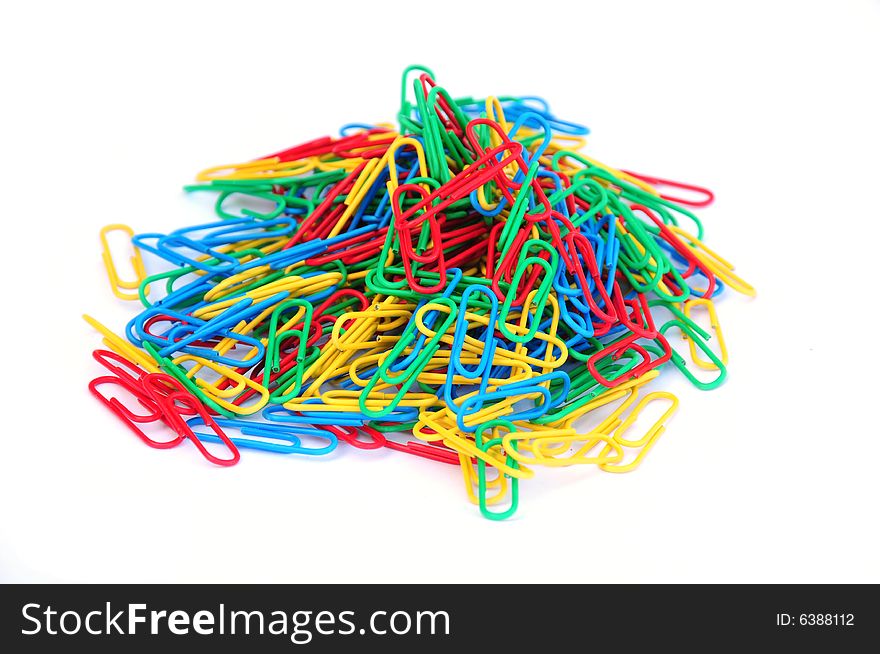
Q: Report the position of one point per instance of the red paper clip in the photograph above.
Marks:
(708, 196)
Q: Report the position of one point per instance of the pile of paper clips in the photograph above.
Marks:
(464, 288)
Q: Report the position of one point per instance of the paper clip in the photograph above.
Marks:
(494, 444)
(716, 327)
(707, 196)
(137, 263)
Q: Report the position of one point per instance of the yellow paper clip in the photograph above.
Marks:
(647, 441)
(716, 327)
(136, 262)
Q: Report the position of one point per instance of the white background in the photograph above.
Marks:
(108, 109)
